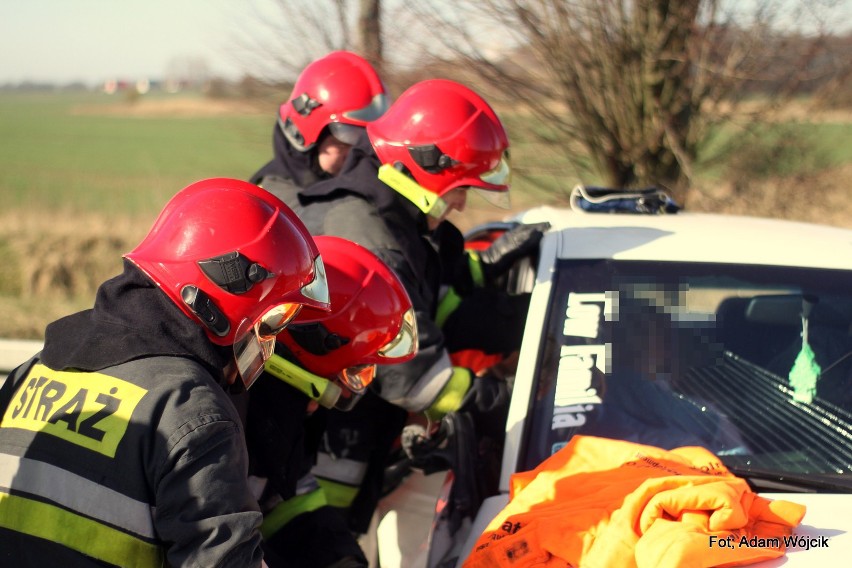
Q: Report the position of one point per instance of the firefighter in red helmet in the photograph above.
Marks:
(414, 165)
(323, 360)
(333, 99)
(126, 447)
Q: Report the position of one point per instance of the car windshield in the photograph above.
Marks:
(752, 362)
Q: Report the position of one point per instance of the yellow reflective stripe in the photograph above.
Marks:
(447, 306)
(337, 494)
(450, 398)
(475, 265)
(91, 410)
(77, 533)
(74, 492)
(451, 300)
(286, 511)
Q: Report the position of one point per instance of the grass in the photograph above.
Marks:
(82, 177)
(52, 155)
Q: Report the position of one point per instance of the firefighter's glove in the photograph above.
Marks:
(516, 243)
(487, 403)
(425, 451)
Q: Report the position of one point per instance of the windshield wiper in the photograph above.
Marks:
(797, 482)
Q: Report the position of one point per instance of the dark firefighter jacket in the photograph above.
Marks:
(119, 446)
(357, 206)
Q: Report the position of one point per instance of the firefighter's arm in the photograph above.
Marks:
(202, 492)
(516, 243)
(450, 397)
(477, 269)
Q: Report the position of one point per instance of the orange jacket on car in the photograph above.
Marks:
(608, 503)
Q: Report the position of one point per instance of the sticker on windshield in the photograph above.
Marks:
(575, 394)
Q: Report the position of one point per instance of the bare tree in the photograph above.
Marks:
(279, 37)
(370, 32)
(627, 89)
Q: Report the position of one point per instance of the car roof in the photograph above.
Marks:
(695, 237)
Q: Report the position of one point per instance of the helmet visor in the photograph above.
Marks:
(499, 199)
(497, 180)
(255, 342)
(357, 377)
(353, 382)
(500, 175)
(317, 290)
(405, 342)
(347, 399)
(493, 185)
(377, 107)
(346, 133)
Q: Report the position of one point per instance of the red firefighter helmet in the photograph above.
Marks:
(371, 319)
(342, 91)
(443, 135)
(237, 260)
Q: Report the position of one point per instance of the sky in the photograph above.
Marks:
(62, 41)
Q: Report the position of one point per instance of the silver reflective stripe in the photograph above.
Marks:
(347, 472)
(76, 493)
(428, 386)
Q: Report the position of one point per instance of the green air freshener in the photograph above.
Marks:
(805, 372)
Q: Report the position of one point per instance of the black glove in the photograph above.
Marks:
(487, 403)
(514, 244)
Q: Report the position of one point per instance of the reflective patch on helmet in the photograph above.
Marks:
(91, 410)
(317, 289)
(377, 107)
(405, 342)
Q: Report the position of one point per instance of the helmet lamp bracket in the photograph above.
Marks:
(204, 308)
(315, 338)
(431, 158)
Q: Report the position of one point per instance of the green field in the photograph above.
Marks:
(81, 153)
(82, 177)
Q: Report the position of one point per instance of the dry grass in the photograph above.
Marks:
(57, 261)
(823, 197)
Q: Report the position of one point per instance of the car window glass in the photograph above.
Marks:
(673, 354)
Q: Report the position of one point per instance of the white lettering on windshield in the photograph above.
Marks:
(583, 314)
(574, 395)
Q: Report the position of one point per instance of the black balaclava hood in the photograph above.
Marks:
(302, 168)
(359, 176)
(131, 319)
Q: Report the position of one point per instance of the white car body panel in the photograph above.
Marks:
(684, 237)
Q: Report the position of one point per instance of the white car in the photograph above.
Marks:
(673, 330)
